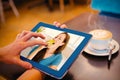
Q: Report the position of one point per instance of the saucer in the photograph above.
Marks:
(95, 52)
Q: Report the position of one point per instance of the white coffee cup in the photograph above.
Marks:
(101, 39)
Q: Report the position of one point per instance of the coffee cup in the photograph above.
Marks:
(101, 39)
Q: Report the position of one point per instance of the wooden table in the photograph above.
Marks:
(86, 67)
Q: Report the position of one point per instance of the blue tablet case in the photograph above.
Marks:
(60, 73)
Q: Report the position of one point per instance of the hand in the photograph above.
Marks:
(11, 53)
(57, 24)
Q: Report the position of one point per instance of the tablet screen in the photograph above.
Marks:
(64, 45)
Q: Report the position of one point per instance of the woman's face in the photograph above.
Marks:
(57, 41)
(60, 38)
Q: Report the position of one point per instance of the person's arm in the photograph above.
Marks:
(32, 74)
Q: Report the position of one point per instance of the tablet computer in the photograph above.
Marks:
(64, 46)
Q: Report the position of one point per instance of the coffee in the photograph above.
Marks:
(100, 39)
(101, 34)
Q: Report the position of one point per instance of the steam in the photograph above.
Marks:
(95, 22)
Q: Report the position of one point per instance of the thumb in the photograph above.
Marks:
(24, 64)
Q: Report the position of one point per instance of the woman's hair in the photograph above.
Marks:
(60, 48)
(39, 56)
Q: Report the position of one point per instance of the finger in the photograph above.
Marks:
(32, 34)
(23, 33)
(24, 64)
(35, 42)
(18, 36)
(63, 26)
(57, 24)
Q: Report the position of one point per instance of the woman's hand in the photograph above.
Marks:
(57, 24)
(11, 53)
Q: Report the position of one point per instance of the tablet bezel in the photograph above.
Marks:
(60, 73)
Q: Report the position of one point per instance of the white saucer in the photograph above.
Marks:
(94, 52)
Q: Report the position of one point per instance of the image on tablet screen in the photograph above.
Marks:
(60, 47)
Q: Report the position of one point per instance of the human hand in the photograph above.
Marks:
(11, 53)
(57, 24)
